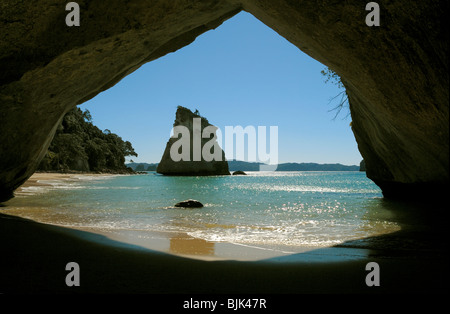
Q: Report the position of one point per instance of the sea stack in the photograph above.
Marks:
(193, 149)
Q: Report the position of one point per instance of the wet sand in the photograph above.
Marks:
(34, 256)
(184, 245)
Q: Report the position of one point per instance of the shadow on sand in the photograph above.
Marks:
(414, 259)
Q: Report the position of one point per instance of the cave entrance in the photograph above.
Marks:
(241, 74)
(379, 65)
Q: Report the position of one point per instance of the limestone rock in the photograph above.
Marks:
(195, 163)
(189, 204)
(239, 172)
(362, 165)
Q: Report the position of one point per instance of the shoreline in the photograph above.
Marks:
(183, 245)
(175, 243)
(34, 256)
(170, 242)
(44, 179)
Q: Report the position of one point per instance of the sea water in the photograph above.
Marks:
(308, 209)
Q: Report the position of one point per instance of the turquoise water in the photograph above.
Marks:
(313, 209)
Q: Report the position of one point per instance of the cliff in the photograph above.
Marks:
(185, 153)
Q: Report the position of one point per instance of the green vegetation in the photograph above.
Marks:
(332, 77)
(79, 145)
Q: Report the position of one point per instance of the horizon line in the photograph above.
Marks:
(259, 162)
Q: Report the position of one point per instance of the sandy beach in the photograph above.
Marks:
(44, 179)
(34, 256)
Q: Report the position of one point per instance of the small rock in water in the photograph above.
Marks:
(239, 172)
(189, 203)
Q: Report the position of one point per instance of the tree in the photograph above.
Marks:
(80, 145)
(128, 149)
(87, 116)
(334, 78)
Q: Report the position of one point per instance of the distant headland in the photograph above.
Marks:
(235, 165)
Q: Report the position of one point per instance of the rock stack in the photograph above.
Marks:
(192, 150)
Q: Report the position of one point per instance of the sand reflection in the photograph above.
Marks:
(187, 245)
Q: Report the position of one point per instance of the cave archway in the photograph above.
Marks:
(240, 74)
(396, 75)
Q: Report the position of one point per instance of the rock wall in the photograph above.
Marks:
(396, 74)
(47, 68)
(193, 165)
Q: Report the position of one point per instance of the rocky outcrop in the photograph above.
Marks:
(362, 165)
(185, 153)
(239, 173)
(189, 204)
(396, 75)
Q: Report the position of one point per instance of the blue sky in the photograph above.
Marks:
(242, 73)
